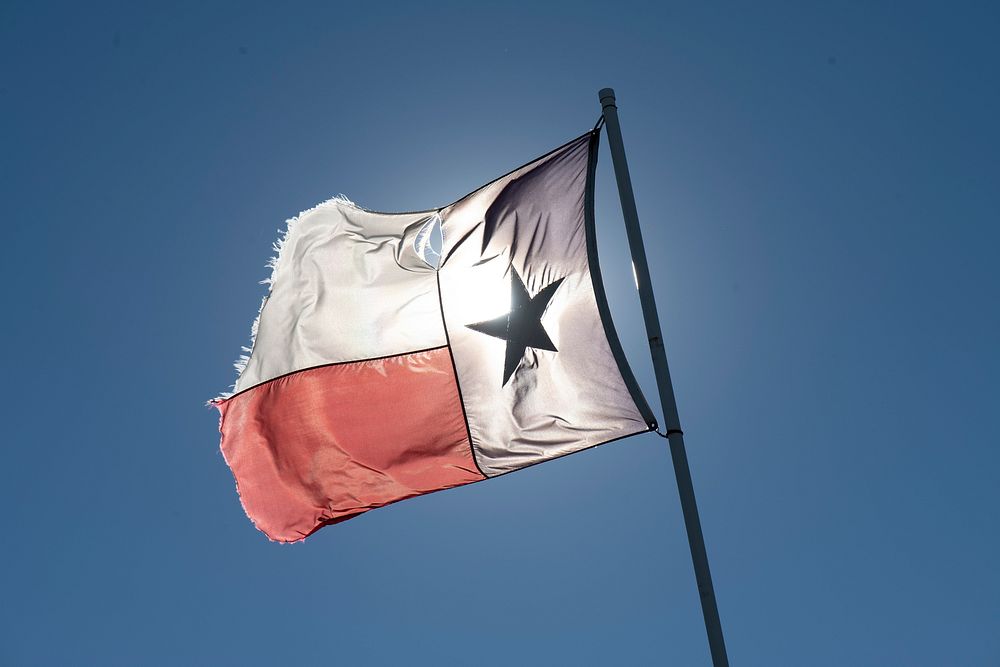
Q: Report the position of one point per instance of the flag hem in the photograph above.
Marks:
(601, 297)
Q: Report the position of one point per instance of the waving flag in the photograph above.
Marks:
(403, 353)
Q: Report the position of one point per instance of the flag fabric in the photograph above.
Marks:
(398, 354)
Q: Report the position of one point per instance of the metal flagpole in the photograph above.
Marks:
(674, 433)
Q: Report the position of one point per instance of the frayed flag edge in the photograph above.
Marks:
(284, 237)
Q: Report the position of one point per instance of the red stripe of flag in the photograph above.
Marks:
(323, 445)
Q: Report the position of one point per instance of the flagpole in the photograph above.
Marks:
(675, 435)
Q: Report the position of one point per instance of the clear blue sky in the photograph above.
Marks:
(818, 186)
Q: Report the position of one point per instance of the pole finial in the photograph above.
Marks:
(607, 97)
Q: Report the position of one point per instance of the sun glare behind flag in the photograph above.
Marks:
(400, 354)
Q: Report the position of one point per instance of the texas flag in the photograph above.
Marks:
(398, 354)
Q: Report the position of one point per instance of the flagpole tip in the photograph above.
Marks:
(607, 97)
